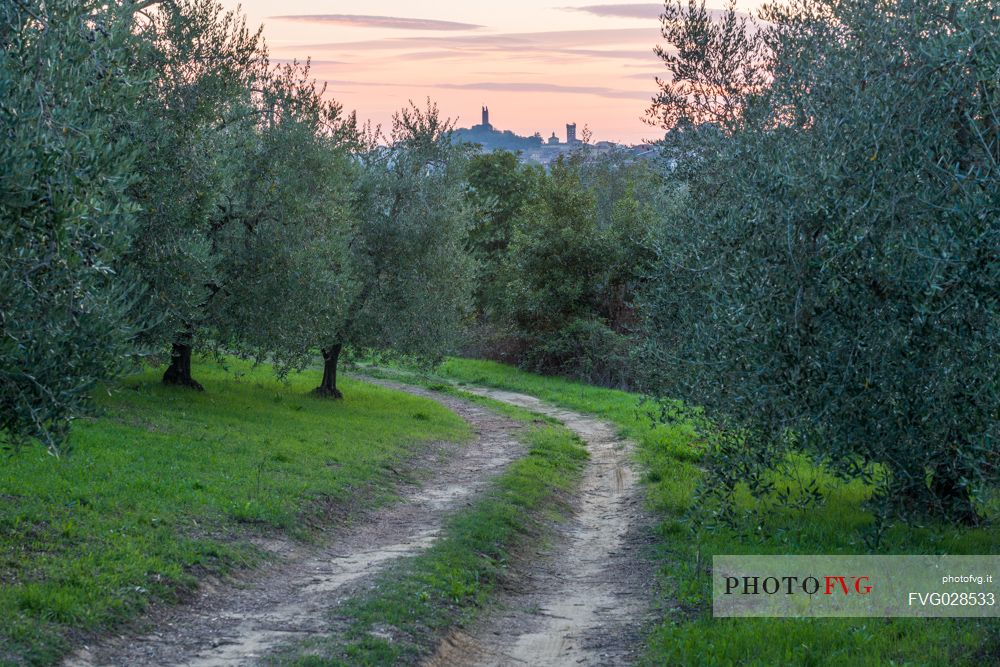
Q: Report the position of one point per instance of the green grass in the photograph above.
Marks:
(167, 485)
(412, 606)
(688, 635)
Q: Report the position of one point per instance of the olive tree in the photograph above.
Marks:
(66, 305)
(281, 231)
(243, 186)
(206, 63)
(409, 273)
(833, 282)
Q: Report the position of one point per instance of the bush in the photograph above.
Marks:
(583, 349)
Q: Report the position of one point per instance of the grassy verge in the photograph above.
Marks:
(413, 605)
(167, 484)
(688, 635)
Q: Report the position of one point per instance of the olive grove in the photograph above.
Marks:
(167, 190)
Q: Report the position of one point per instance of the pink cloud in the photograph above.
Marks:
(639, 10)
(529, 87)
(500, 86)
(503, 41)
(366, 21)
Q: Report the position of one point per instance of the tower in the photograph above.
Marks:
(570, 133)
(486, 117)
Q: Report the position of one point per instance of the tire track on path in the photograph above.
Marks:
(585, 602)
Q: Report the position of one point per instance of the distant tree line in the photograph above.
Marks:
(810, 263)
(561, 254)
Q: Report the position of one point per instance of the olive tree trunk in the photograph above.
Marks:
(328, 387)
(951, 493)
(179, 371)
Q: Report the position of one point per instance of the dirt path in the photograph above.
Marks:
(579, 603)
(585, 601)
(230, 625)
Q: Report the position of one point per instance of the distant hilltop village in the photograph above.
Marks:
(532, 149)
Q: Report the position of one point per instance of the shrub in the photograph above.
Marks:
(583, 349)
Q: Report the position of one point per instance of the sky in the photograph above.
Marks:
(538, 66)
